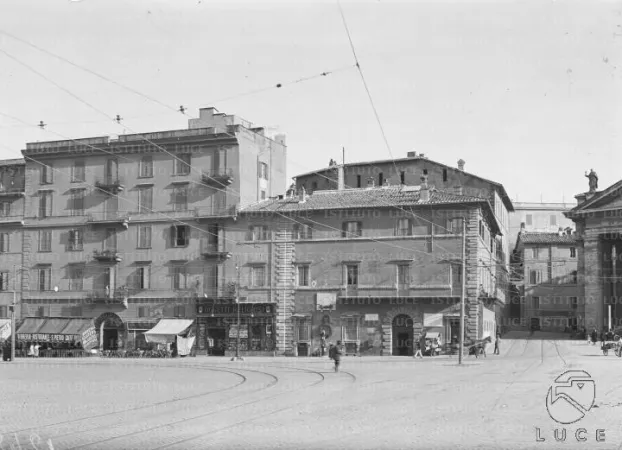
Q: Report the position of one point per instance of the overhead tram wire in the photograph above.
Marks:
(132, 90)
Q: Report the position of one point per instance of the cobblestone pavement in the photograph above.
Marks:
(373, 403)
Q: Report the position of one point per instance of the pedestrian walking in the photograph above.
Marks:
(337, 352)
(497, 343)
(594, 336)
(37, 347)
(31, 350)
(323, 343)
(421, 348)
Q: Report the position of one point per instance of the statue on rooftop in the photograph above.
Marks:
(593, 180)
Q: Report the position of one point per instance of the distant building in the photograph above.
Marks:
(545, 281)
(539, 217)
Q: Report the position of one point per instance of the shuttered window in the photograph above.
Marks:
(77, 202)
(351, 229)
(146, 167)
(180, 235)
(180, 198)
(4, 242)
(144, 236)
(45, 204)
(145, 200)
(76, 277)
(179, 277)
(183, 164)
(78, 171)
(45, 240)
(75, 240)
(44, 278)
(4, 281)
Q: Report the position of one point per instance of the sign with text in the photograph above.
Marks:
(233, 331)
(89, 338)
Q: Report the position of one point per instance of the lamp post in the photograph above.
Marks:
(462, 292)
(12, 309)
(237, 356)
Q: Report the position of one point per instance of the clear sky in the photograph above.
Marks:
(528, 93)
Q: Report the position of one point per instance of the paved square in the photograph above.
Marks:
(373, 403)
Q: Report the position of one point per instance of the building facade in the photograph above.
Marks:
(408, 171)
(598, 219)
(129, 230)
(538, 217)
(546, 280)
(369, 266)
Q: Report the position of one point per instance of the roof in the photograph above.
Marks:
(387, 197)
(532, 237)
(381, 197)
(503, 194)
(12, 162)
(612, 191)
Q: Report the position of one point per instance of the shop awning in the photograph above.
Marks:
(5, 328)
(30, 325)
(166, 330)
(53, 326)
(78, 326)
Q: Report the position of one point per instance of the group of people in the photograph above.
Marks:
(603, 336)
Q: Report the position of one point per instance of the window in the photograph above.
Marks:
(180, 198)
(535, 277)
(380, 179)
(263, 171)
(4, 281)
(534, 253)
(258, 276)
(77, 171)
(444, 174)
(77, 202)
(574, 302)
(536, 302)
(142, 311)
(258, 233)
(573, 252)
(549, 270)
(45, 240)
(179, 277)
(4, 242)
(574, 276)
(358, 181)
(263, 195)
(46, 174)
(71, 311)
(403, 274)
(40, 311)
(75, 240)
(553, 221)
(5, 209)
(180, 235)
(350, 329)
(145, 168)
(45, 204)
(482, 229)
(183, 164)
(145, 199)
(144, 236)
(44, 278)
(112, 171)
(529, 220)
(76, 278)
(143, 277)
(303, 231)
(352, 275)
(403, 227)
(352, 229)
(303, 275)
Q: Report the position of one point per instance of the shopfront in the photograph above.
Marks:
(217, 328)
(57, 333)
(136, 334)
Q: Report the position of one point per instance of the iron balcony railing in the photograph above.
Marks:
(109, 255)
(110, 184)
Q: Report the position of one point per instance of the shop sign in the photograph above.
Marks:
(228, 310)
(45, 337)
(371, 318)
(89, 338)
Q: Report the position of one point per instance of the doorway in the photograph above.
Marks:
(218, 338)
(403, 335)
(454, 330)
(111, 338)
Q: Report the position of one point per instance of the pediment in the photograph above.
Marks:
(610, 198)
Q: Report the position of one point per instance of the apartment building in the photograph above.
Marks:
(131, 229)
(12, 184)
(546, 280)
(369, 266)
(538, 217)
(408, 171)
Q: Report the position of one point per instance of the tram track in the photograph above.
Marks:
(186, 420)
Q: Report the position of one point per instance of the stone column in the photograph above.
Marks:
(590, 282)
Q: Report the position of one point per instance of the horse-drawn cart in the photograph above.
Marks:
(477, 347)
(615, 345)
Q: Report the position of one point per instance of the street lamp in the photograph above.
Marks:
(237, 356)
(12, 310)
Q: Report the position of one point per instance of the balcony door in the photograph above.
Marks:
(112, 171)
(211, 280)
(110, 243)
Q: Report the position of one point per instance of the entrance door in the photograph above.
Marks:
(219, 337)
(111, 338)
(403, 335)
(454, 330)
(535, 323)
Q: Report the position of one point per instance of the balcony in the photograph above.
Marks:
(107, 256)
(109, 218)
(12, 220)
(216, 212)
(11, 192)
(110, 185)
(108, 296)
(218, 177)
(212, 250)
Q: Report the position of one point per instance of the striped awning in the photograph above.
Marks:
(30, 325)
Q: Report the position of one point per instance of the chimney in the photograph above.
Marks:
(340, 178)
(458, 190)
(421, 155)
(370, 182)
(424, 193)
(302, 195)
(461, 165)
(411, 155)
(281, 139)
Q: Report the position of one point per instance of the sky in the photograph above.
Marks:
(528, 92)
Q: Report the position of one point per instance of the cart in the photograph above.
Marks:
(478, 347)
(615, 345)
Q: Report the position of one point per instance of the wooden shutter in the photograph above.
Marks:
(360, 229)
(173, 235)
(344, 229)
